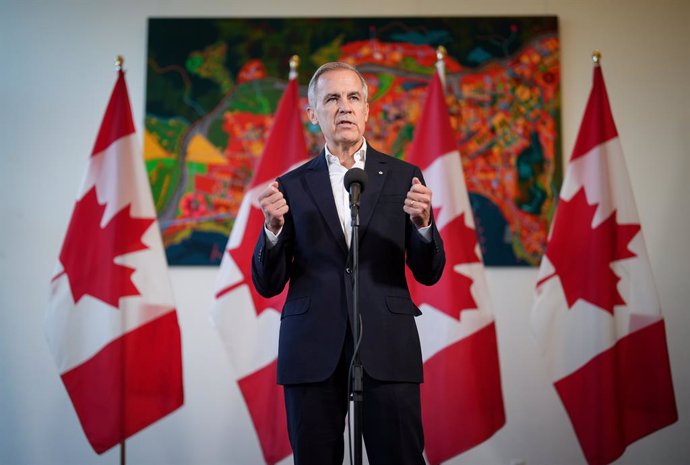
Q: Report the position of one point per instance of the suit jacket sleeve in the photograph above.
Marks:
(425, 259)
(271, 266)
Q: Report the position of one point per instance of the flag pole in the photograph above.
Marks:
(119, 63)
(294, 64)
(441, 53)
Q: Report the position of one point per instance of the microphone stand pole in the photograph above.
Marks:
(357, 369)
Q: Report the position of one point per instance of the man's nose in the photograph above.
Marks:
(345, 106)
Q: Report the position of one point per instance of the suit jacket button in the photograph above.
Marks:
(348, 270)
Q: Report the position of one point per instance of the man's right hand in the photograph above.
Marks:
(274, 206)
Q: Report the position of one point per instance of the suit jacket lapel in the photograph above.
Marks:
(318, 184)
(376, 166)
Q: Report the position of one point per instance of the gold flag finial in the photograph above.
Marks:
(596, 57)
(441, 53)
(119, 61)
(294, 62)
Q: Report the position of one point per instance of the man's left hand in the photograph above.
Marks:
(418, 204)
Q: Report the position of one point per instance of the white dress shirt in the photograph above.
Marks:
(336, 171)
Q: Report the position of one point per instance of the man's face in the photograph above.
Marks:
(340, 109)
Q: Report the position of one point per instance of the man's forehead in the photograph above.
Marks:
(347, 81)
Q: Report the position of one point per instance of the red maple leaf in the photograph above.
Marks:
(451, 294)
(89, 251)
(582, 255)
(242, 255)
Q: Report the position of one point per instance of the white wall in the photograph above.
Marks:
(56, 73)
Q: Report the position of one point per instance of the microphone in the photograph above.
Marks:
(355, 180)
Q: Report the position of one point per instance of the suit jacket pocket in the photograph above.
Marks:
(294, 307)
(402, 305)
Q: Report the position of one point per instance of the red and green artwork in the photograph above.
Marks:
(213, 85)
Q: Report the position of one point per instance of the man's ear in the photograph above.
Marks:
(312, 116)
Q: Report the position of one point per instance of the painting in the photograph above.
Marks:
(213, 85)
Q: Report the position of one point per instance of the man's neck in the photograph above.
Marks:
(346, 153)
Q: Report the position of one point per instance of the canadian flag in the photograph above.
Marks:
(247, 322)
(597, 315)
(112, 325)
(462, 401)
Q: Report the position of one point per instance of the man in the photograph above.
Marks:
(306, 241)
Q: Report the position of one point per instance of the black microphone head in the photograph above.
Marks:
(357, 175)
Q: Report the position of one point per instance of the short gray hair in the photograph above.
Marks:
(331, 66)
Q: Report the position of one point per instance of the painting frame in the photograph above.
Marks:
(214, 83)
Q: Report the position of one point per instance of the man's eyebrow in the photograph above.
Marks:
(332, 94)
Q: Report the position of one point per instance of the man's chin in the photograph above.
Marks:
(348, 136)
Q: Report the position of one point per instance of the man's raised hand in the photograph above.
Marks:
(274, 206)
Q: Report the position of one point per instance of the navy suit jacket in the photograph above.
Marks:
(313, 256)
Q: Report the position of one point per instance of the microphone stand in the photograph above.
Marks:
(357, 369)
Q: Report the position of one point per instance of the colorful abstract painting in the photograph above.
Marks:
(213, 85)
